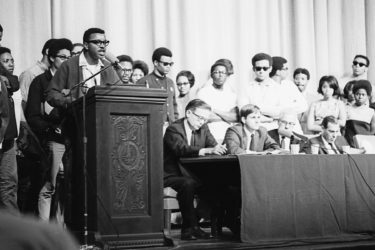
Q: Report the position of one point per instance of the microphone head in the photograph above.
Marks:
(112, 59)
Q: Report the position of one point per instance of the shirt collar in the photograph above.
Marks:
(247, 132)
(42, 65)
(325, 142)
(187, 127)
(83, 62)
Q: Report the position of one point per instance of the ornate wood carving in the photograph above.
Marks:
(129, 169)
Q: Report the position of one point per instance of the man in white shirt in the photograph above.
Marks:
(359, 70)
(38, 68)
(263, 92)
(222, 100)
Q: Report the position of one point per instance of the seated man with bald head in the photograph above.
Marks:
(284, 135)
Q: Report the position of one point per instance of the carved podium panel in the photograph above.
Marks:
(124, 164)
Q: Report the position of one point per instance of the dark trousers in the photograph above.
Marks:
(186, 188)
(8, 176)
(30, 181)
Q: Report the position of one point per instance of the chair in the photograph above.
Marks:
(365, 141)
(170, 203)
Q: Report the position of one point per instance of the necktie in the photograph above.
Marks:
(333, 148)
(283, 146)
(192, 139)
(252, 143)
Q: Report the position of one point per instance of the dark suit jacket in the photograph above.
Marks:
(4, 110)
(339, 142)
(42, 124)
(236, 140)
(156, 82)
(70, 74)
(276, 136)
(176, 146)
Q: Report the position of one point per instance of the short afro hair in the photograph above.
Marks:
(159, 52)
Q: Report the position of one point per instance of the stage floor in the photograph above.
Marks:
(227, 242)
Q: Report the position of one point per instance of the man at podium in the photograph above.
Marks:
(78, 68)
(70, 82)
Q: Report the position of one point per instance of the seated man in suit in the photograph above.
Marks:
(284, 134)
(249, 136)
(330, 140)
(186, 137)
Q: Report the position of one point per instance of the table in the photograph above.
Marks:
(298, 198)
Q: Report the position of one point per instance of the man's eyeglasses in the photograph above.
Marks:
(219, 72)
(127, 70)
(76, 53)
(355, 63)
(200, 118)
(165, 64)
(100, 42)
(179, 84)
(260, 68)
(287, 123)
(63, 57)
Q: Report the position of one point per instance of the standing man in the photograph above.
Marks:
(359, 70)
(10, 124)
(46, 121)
(162, 60)
(189, 136)
(38, 68)
(60, 94)
(126, 68)
(222, 100)
(80, 68)
(263, 92)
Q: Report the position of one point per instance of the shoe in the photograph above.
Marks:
(187, 234)
(199, 233)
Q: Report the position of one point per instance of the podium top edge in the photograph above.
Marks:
(127, 90)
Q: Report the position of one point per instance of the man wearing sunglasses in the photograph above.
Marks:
(162, 60)
(78, 68)
(360, 66)
(263, 92)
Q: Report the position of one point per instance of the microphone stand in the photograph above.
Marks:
(84, 139)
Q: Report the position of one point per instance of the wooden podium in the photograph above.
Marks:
(125, 167)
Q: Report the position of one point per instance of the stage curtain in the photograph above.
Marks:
(320, 35)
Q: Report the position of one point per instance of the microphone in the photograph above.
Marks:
(113, 60)
(114, 63)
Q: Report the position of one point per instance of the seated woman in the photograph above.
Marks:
(249, 136)
(348, 96)
(330, 105)
(360, 117)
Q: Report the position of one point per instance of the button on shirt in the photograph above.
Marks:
(89, 70)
